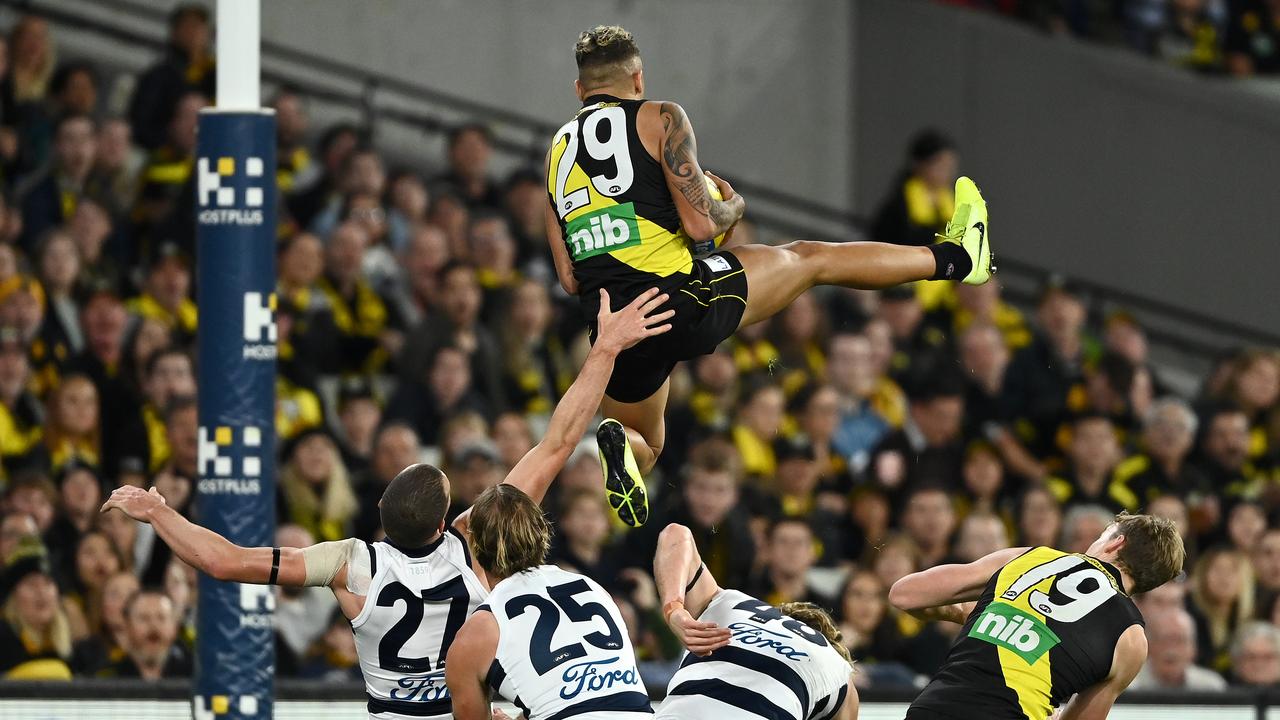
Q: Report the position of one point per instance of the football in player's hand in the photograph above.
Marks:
(713, 191)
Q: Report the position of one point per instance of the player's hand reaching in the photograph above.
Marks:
(619, 330)
(135, 502)
(701, 638)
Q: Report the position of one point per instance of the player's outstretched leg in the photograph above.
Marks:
(778, 275)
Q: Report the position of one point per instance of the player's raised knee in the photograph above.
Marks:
(804, 257)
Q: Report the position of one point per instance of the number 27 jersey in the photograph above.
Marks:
(1045, 628)
(416, 602)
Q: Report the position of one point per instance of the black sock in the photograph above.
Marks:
(952, 262)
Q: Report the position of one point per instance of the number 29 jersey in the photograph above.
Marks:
(619, 222)
(563, 649)
(416, 602)
(1045, 628)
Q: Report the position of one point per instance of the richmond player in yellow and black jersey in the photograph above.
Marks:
(1047, 625)
(626, 199)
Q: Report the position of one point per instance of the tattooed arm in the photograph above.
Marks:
(702, 216)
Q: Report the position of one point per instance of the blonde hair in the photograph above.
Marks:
(603, 52)
(1220, 625)
(325, 514)
(819, 620)
(509, 533)
(55, 637)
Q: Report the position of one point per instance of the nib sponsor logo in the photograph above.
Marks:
(607, 230)
(1008, 627)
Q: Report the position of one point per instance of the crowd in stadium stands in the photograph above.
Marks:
(1240, 37)
(855, 438)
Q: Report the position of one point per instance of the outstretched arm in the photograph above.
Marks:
(616, 332)
(214, 555)
(702, 216)
(940, 592)
(686, 589)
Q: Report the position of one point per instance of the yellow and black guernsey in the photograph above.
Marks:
(622, 231)
(617, 216)
(1045, 628)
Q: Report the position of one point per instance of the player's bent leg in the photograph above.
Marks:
(630, 440)
(778, 275)
(645, 422)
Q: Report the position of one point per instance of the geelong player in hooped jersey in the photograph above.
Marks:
(747, 659)
(551, 641)
(408, 596)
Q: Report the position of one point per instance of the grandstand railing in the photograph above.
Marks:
(91, 699)
(1182, 338)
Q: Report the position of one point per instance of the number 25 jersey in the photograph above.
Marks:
(1045, 628)
(619, 222)
(416, 602)
(563, 649)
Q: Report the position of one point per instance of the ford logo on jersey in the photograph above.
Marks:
(422, 688)
(590, 676)
(755, 636)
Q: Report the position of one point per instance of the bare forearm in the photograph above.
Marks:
(931, 589)
(675, 563)
(955, 612)
(199, 547)
(209, 552)
(724, 213)
(538, 468)
(578, 406)
(948, 584)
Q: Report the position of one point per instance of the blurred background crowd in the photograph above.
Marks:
(1240, 37)
(820, 456)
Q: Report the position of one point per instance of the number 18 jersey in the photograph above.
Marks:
(417, 600)
(619, 222)
(1045, 628)
(563, 648)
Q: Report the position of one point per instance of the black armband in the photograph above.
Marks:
(689, 588)
(275, 566)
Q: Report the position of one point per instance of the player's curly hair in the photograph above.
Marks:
(603, 51)
(820, 620)
(509, 533)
